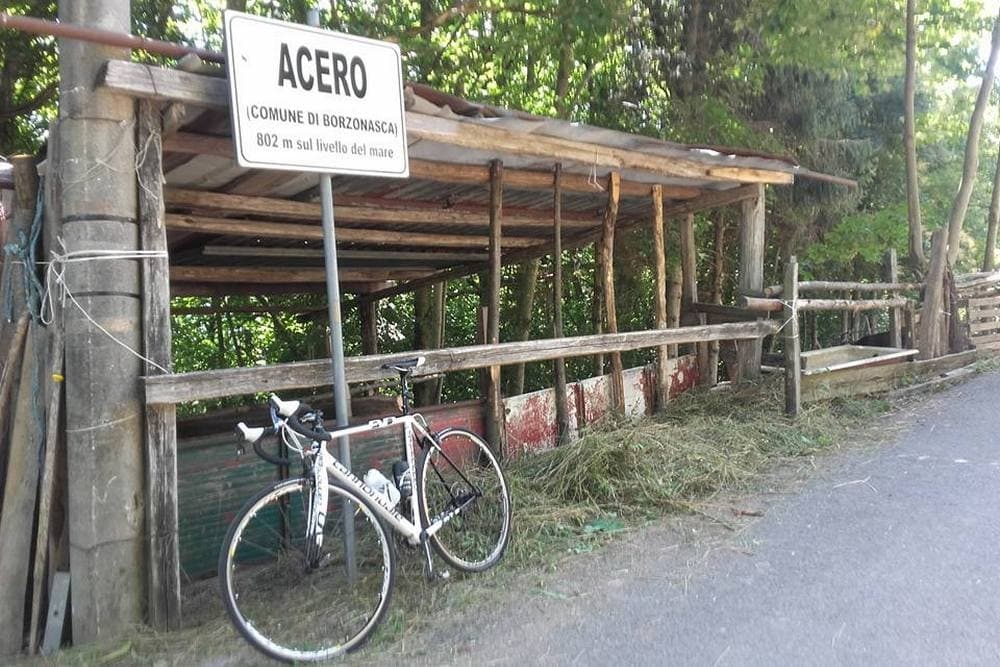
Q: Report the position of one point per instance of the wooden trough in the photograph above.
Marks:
(816, 362)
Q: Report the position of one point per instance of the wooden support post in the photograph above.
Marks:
(910, 333)
(718, 269)
(597, 307)
(163, 575)
(608, 280)
(18, 502)
(793, 347)
(895, 314)
(559, 364)
(494, 402)
(10, 374)
(660, 299)
(929, 340)
(751, 277)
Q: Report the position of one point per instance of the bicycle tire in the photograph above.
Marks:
(476, 538)
(298, 611)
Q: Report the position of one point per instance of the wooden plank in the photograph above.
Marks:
(608, 282)
(9, 377)
(287, 230)
(689, 261)
(162, 547)
(833, 285)
(558, 364)
(578, 240)
(282, 275)
(352, 210)
(660, 300)
(853, 305)
(47, 477)
(19, 503)
(751, 277)
(725, 313)
(449, 172)
(387, 257)
(56, 623)
(895, 314)
(979, 327)
(494, 402)
(185, 387)
(979, 303)
(986, 339)
(930, 342)
(793, 346)
(874, 379)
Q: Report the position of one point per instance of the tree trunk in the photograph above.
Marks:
(917, 260)
(961, 204)
(991, 231)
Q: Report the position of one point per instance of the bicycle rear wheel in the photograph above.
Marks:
(296, 603)
(459, 474)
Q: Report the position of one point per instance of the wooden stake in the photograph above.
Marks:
(660, 299)
(558, 364)
(751, 277)
(597, 306)
(608, 280)
(163, 575)
(494, 402)
(793, 346)
(895, 314)
(718, 268)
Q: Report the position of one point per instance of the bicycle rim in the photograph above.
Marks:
(461, 476)
(297, 607)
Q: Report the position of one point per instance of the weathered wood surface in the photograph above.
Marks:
(9, 377)
(19, 503)
(725, 313)
(804, 305)
(751, 277)
(150, 82)
(891, 285)
(930, 340)
(875, 379)
(162, 547)
(283, 274)
(47, 476)
(793, 346)
(608, 282)
(184, 387)
(494, 401)
(558, 364)
(56, 623)
(288, 230)
(352, 210)
(895, 314)
(660, 299)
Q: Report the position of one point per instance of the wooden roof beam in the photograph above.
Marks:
(291, 231)
(283, 275)
(149, 82)
(448, 172)
(361, 209)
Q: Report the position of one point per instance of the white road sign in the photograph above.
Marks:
(308, 99)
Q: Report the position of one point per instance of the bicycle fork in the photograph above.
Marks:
(316, 517)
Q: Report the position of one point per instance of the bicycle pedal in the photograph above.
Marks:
(441, 575)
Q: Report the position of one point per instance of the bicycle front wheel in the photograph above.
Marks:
(460, 483)
(296, 602)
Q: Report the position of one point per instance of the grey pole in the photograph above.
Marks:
(340, 390)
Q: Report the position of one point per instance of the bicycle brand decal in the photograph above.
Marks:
(381, 423)
(371, 493)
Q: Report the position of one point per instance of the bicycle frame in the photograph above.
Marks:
(414, 531)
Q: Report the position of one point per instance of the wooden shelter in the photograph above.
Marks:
(487, 187)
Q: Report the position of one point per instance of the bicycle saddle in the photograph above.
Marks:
(405, 366)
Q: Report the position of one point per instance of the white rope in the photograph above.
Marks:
(55, 274)
(791, 305)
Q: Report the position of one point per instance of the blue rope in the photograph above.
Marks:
(26, 250)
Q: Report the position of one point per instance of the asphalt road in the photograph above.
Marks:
(885, 555)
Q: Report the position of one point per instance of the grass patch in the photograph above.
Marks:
(568, 500)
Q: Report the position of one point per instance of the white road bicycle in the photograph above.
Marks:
(290, 585)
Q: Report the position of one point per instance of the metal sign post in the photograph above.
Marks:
(307, 99)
